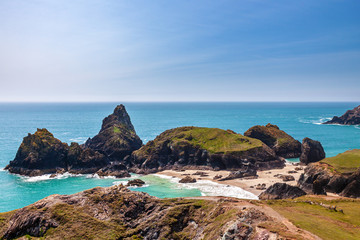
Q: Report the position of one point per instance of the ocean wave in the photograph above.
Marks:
(47, 177)
(316, 121)
(120, 182)
(133, 187)
(209, 188)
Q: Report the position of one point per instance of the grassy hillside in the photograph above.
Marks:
(344, 162)
(321, 220)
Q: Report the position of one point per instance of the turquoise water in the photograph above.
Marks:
(77, 122)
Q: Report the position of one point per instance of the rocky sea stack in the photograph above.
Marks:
(107, 154)
(42, 153)
(117, 138)
(282, 143)
(311, 151)
(204, 148)
(351, 117)
(339, 174)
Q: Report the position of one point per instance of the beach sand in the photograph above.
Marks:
(264, 177)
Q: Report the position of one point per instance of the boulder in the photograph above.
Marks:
(136, 183)
(187, 179)
(117, 138)
(281, 191)
(311, 151)
(115, 169)
(282, 143)
(351, 117)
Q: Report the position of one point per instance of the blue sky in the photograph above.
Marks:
(179, 50)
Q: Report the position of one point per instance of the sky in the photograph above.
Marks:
(180, 50)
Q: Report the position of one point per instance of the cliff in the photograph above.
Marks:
(351, 117)
(207, 148)
(339, 174)
(282, 143)
(118, 213)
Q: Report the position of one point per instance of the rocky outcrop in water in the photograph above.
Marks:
(117, 138)
(42, 153)
(282, 143)
(204, 148)
(351, 117)
(311, 151)
(281, 191)
(118, 213)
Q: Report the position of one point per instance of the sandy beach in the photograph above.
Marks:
(267, 177)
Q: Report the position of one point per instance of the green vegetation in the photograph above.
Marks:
(345, 162)
(322, 220)
(214, 140)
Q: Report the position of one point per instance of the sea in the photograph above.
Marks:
(76, 122)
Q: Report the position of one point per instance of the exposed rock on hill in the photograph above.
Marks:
(281, 191)
(351, 117)
(117, 137)
(311, 151)
(283, 144)
(339, 174)
(118, 213)
(201, 148)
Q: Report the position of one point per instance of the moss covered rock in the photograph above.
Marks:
(282, 143)
(117, 137)
(213, 148)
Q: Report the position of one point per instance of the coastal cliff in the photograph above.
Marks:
(339, 174)
(351, 117)
(118, 213)
(282, 143)
(207, 148)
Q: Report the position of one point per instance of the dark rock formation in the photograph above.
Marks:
(281, 191)
(187, 179)
(240, 174)
(318, 178)
(42, 153)
(118, 213)
(351, 117)
(115, 169)
(204, 148)
(117, 137)
(136, 182)
(311, 151)
(283, 144)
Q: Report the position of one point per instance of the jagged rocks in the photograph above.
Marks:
(117, 137)
(187, 179)
(248, 173)
(351, 117)
(39, 153)
(281, 191)
(115, 169)
(311, 151)
(283, 144)
(204, 148)
(136, 183)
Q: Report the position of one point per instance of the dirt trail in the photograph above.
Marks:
(268, 211)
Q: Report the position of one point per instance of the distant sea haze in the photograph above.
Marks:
(78, 121)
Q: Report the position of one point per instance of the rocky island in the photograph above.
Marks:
(351, 117)
(106, 154)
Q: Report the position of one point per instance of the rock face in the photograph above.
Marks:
(204, 148)
(187, 179)
(118, 213)
(281, 191)
(311, 151)
(117, 137)
(283, 144)
(351, 117)
(42, 153)
(326, 176)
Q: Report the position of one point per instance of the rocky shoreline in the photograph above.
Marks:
(351, 117)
